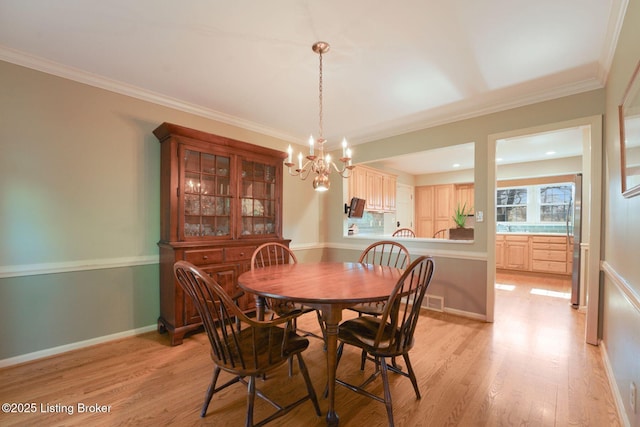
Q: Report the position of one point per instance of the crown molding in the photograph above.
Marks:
(54, 68)
(440, 116)
(458, 112)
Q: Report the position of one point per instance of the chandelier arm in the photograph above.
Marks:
(345, 172)
(303, 173)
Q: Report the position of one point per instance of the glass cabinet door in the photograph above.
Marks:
(258, 198)
(207, 196)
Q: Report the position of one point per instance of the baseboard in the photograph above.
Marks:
(468, 314)
(460, 313)
(73, 346)
(613, 385)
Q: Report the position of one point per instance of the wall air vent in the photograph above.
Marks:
(434, 302)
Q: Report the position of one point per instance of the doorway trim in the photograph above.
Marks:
(592, 167)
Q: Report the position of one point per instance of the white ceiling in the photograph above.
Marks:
(393, 66)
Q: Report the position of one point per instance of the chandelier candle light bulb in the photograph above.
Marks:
(321, 164)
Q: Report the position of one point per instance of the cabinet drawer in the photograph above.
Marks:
(243, 253)
(550, 246)
(549, 239)
(516, 238)
(549, 266)
(544, 255)
(202, 257)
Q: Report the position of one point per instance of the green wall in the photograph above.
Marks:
(620, 320)
(79, 188)
(43, 311)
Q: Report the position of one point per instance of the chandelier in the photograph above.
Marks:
(320, 164)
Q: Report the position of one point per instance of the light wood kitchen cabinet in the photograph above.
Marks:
(549, 254)
(500, 251)
(219, 200)
(374, 186)
(358, 183)
(516, 252)
(389, 189)
(374, 191)
(444, 207)
(434, 209)
(464, 195)
(534, 253)
(425, 216)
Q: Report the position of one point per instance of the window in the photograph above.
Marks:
(548, 204)
(555, 202)
(511, 204)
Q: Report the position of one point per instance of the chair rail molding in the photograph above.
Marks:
(70, 266)
(621, 284)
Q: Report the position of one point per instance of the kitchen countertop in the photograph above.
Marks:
(530, 233)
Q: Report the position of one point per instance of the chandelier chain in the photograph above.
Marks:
(320, 124)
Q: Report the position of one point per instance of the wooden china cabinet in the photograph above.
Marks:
(220, 199)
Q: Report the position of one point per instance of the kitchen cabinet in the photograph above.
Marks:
(219, 200)
(500, 251)
(444, 206)
(377, 188)
(389, 189)
(516, 252)
(358, 183)
(464, 195)
(425, 216)
(374, 191)
(534, 253)
(549, 254)
(434, 209)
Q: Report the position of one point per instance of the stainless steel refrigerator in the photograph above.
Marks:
(574, 223)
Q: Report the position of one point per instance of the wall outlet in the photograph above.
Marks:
(632, 396)
(479, 216)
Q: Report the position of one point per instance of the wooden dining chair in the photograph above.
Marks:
(404, 232)
(385, 252)
(274, 253)
(254, 349)
(440, 234)
(390, 334)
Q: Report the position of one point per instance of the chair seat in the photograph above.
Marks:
(361, 332)
(256, 356)
(284, 308)
(372, 308)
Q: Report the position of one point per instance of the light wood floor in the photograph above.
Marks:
(531, 367)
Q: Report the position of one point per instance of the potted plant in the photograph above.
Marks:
(460, 218)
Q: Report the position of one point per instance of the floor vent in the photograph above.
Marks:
(434, 302)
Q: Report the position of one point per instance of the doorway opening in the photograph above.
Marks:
(539, 160)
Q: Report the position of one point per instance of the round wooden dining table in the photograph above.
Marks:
(326, 286)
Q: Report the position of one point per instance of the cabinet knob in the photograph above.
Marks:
(205, 257)
(241, 253)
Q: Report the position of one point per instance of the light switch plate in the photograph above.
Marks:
(479, 216)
